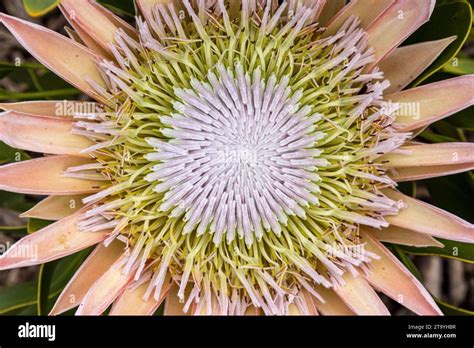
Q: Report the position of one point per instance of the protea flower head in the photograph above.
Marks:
(240, 157)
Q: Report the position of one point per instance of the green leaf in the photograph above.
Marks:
(9, 154)
(121, 8)
(29, 310)
(450, 17)
(22, 298)
(46, 78)
(463, 119)
(436, 138)
(41, 83)
(14, 231)
(460, 66)
(445, 128)
(57, 93)
(37, 224)
(45, 278)
(17, 297)
(452, 250)
(37, 8)
(452, 310)
(453, 193)
(12, 228)
(14, 201)
(9, 200)
(6, 68)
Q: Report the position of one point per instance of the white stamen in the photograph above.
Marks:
(229, 158)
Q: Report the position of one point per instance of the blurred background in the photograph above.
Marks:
(449, 278)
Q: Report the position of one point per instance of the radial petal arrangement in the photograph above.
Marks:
(239, 156)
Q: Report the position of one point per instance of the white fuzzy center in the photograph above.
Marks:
(238, 155)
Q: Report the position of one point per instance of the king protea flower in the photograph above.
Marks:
(239, 158)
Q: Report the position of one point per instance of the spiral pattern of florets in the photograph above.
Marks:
(240, 149)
